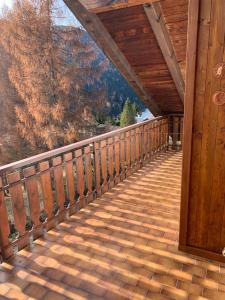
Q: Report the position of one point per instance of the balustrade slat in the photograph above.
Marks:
(46, 185)
(175, 131)
(160, 135)
(133, 149)
(68, 158)
(137, 148)
(122, 156)
(111, 162)
(88, 172)
(17, 199)
(154, 137)
(166, 132)
(80, 177)
(4, 223)
(141, 144)
(181, 129)
(104, 166)
(128, 154)
(150, 140)
(97, 169)
(33, 195)
(117, 159)
(157, 136)
(145, 142)
(59, 185)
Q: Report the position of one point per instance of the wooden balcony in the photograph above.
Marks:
(121, 246)
(114, 234)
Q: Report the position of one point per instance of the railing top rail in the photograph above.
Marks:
(62, 150)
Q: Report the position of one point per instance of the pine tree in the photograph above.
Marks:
(128, 114)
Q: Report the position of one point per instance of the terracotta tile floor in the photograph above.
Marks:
(122, 246)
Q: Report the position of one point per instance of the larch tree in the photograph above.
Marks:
(12, 146)
(52, 70)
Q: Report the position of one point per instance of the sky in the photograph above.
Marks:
(5, 2)
(69, 17)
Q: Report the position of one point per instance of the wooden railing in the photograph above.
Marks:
(39, 192)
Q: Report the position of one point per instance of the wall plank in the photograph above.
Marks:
(203, 190)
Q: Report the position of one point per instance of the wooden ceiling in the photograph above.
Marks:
(146, 40)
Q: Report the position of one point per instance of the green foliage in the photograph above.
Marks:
(128, 114)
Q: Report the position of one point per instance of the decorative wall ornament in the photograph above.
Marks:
(219, 71)
(219, 98)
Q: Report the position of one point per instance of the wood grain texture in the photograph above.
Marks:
(193, 14)
(133, 35)
(59, 184)
(122, 156)
(111, 162)
(4, 223)
(80, 177)
(46, 185)
(68, 158)
(175, 13)
(88, 173)
(97, 163)
(203, 202)
(155, 16)
(128, 153)
(17, 200)
(132, 149)
(98, 6)
(117, 159)
(32, 193)
(104, 168)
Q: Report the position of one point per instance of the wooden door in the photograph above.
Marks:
(203, 185)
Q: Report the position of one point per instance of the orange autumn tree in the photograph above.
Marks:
(12, 146)
(51, 69)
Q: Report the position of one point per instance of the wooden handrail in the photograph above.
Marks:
(62, 150)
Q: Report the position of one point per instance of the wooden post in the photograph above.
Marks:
(68, 158)
(175, 131)
(4, 223)
(202, 206)
(80, 177)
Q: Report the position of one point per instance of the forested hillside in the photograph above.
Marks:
(55, 83)
(117, 88)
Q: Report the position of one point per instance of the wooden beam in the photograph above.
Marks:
(156, 19)
(100, 6)
(104, 40)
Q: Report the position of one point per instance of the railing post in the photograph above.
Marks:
(4, 224)
(176, 131)
(97, 169)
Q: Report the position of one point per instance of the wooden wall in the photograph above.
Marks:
(203, 188)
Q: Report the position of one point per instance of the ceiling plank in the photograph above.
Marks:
(104, 40)
(156, 19)
(99, 6)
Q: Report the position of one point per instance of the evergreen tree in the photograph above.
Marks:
(128, 114)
